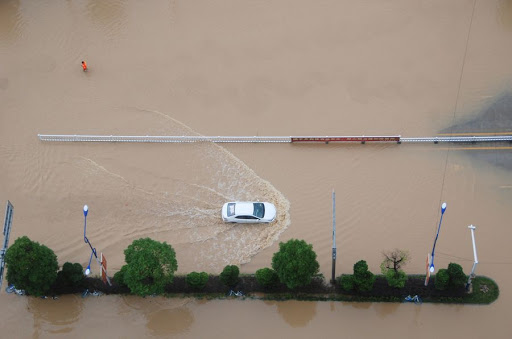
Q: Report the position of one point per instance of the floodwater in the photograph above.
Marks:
(413, 68)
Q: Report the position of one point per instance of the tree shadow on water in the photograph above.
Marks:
(169, 321)
(295, 313)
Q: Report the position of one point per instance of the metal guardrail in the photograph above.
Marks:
(270, 139)
(466, 139)
(163, 139)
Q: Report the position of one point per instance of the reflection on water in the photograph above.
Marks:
(385, 309)
(505, 13)
(361, 306)
(11, 20)
(169, 321)
(55, 316)
(164, 316)
(295, 313)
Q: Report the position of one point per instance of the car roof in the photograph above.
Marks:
(244, 208)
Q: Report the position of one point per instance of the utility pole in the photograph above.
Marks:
(472, 274)
(333, 279)
(7, 231)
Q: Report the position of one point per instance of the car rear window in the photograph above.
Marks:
(231, 209)
(259, 209)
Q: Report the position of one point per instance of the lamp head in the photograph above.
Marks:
(88, 269)
(443, 207)
(86, 210)
(431, 269)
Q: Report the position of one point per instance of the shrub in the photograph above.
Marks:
(70, 278)
(229, 275)
(267, 277)
(363, 279)
(442, 279)
(457, 276)
(346, 282)
(397, 279)
(197, 280)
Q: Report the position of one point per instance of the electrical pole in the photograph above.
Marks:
(333, 279)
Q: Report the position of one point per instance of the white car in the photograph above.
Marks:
(248, 212)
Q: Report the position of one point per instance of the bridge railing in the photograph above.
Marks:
(162, 139)
(463, 139)
(272, 139)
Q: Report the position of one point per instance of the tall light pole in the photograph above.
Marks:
(93, 250)
(443, 209)
(472, 274)
(333, 279)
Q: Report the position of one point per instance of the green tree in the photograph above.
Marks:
(392, 265)
(363, 279)
(267, 277)
(31, 266)
(150, 266)
(71, 278)
(442, 279)
(197, 280)
(295, 263)
(457, 276)
(229, 275)
(119, 276)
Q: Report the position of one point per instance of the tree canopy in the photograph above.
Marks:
(363, 278)
(442, 279)
(229, 275)
(150, 266)
(267, 277)
(197, 280)
(392, 265)
(70, 278)
(361, 281)
(295, 263)
(31, 266)
(457, 276)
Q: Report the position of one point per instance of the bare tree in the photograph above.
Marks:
(394, 260)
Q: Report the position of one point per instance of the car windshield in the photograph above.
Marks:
(259, 209)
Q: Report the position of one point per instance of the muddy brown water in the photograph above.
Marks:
(413, 68)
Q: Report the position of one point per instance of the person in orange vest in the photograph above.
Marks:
(84, 66)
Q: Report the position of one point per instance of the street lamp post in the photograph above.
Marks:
(472, 274)
(93, 250)
(443, 209)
